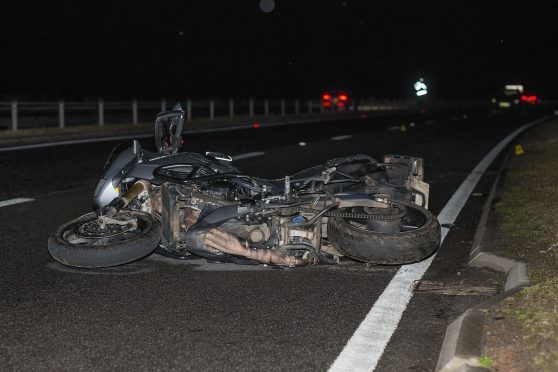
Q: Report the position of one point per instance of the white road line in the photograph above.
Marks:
(341, 137)
(365, 348)
(6, 203)
(186, 131)
(394, 127)
(247, 155)
(73, 142)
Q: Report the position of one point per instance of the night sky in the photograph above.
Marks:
(231, 48)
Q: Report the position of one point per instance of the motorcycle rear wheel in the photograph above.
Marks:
(82, 243)
(419, 238)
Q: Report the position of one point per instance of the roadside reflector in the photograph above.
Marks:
(519, 150)
(403, 128)
(256, 125)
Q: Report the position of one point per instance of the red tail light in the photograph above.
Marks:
(326, 97)
(340, 104)
(524, 98)
(343, 97)
(327, 104)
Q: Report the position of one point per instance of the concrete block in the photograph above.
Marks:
(492, 261)
(462, 343)
(517, 277)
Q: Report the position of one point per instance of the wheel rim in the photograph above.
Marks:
(88, 231)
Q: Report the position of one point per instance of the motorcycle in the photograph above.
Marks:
(188, 205)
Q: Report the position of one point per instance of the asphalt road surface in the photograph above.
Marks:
(163, 314)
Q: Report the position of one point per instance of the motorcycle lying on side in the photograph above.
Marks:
(189, 205)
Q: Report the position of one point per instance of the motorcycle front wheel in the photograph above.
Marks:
(83, 242)
(418, 238)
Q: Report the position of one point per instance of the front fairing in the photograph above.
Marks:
(124, 164)
(121, 158)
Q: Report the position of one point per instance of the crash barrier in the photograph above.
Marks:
(16, 115)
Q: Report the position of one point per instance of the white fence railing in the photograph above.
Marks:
(15, 115)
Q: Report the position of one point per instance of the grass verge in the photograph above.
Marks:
(527, 230)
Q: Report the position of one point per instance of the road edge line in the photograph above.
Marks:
(366, 346)
(244, 126)
(6, 203)
(461, 348)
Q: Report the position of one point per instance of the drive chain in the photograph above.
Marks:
(395, 212)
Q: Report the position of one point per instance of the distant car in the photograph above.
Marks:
(510, 98)
(336, 101)
(514, 96)
(529, 99)
(506, 102)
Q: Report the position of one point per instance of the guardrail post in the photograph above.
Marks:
(163, 104)
(135, 112)
(101, 109)
(14, 115)
(251, 107)
(189, 110)
(211, 110)
(266, 107)
(309, 106)
(283, 107)
(231, 108)
(297, 107)
(61, 115)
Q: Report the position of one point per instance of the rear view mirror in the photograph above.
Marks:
(168, 130)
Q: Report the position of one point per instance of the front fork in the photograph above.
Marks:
(121, 202)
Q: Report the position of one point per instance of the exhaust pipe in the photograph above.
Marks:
(228, 243)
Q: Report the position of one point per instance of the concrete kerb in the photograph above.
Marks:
(461, 348)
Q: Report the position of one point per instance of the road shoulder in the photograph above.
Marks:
(506, 331)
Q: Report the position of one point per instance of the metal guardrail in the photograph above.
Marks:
(16, 115)
(65, 113)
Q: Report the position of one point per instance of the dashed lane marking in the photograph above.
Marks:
(247, 155)
(341, 137)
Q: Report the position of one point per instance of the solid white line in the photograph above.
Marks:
(365, 348)
(247, 155)
(223, 128)
(341, 137)
(5, 203)
(73, 142)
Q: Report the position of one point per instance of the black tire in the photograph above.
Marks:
(396, 248)
(115, 248)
